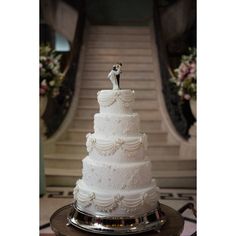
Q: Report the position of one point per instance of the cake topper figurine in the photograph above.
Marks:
(114, 76)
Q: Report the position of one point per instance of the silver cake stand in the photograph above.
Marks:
(70, 221)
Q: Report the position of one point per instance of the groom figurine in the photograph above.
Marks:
(114, 76)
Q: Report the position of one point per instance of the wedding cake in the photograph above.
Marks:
(116, 176)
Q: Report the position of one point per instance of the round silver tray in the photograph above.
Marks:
(98, 224)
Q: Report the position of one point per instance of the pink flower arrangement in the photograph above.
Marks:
(185, 77)
(50, 74)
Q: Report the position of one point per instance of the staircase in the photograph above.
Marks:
(133, 46)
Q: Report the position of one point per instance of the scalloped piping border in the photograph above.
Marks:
(110, 204)
(108, 147)
(105, 100)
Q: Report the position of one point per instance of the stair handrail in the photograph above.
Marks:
(69, 72)
(171, 98)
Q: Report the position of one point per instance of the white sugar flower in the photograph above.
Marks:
(44, 82)
(52, 82)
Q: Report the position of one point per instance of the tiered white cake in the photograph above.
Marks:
(117, 178)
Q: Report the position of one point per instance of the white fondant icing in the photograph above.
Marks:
(116, 101)
(110, 125)
(134, 174)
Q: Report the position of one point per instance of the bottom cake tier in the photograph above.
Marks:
(116, 202)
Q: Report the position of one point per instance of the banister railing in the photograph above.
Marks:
(58, 107)
(179, 112)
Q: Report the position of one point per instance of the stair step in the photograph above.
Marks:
(118, 38)
(161, 162)
(164, 182)
(159, 137)
(75, 135)
(63, 172)
(146, 125)
(63, 157)
(165, 179)
(145, 113)
(139, 104)
(173, 165)
(83, 123)
(120, 45)
(87, 111)
(121, 52)
(105, 67)
(73, 147)
(74, 162)
(146, 120)
(184, 183)
(80, 136)
(155, 174)
(106, 84)
(163, 149)
(88, 102)
(139, 94)
(133, 80)
(128, 75)
(176, 174)
(58, 160)
(111, 59)
(69, 164)
(148, 114)
(127, 30)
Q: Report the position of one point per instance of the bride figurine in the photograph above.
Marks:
(114, 76)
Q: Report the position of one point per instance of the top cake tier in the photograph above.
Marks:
(116, 101)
